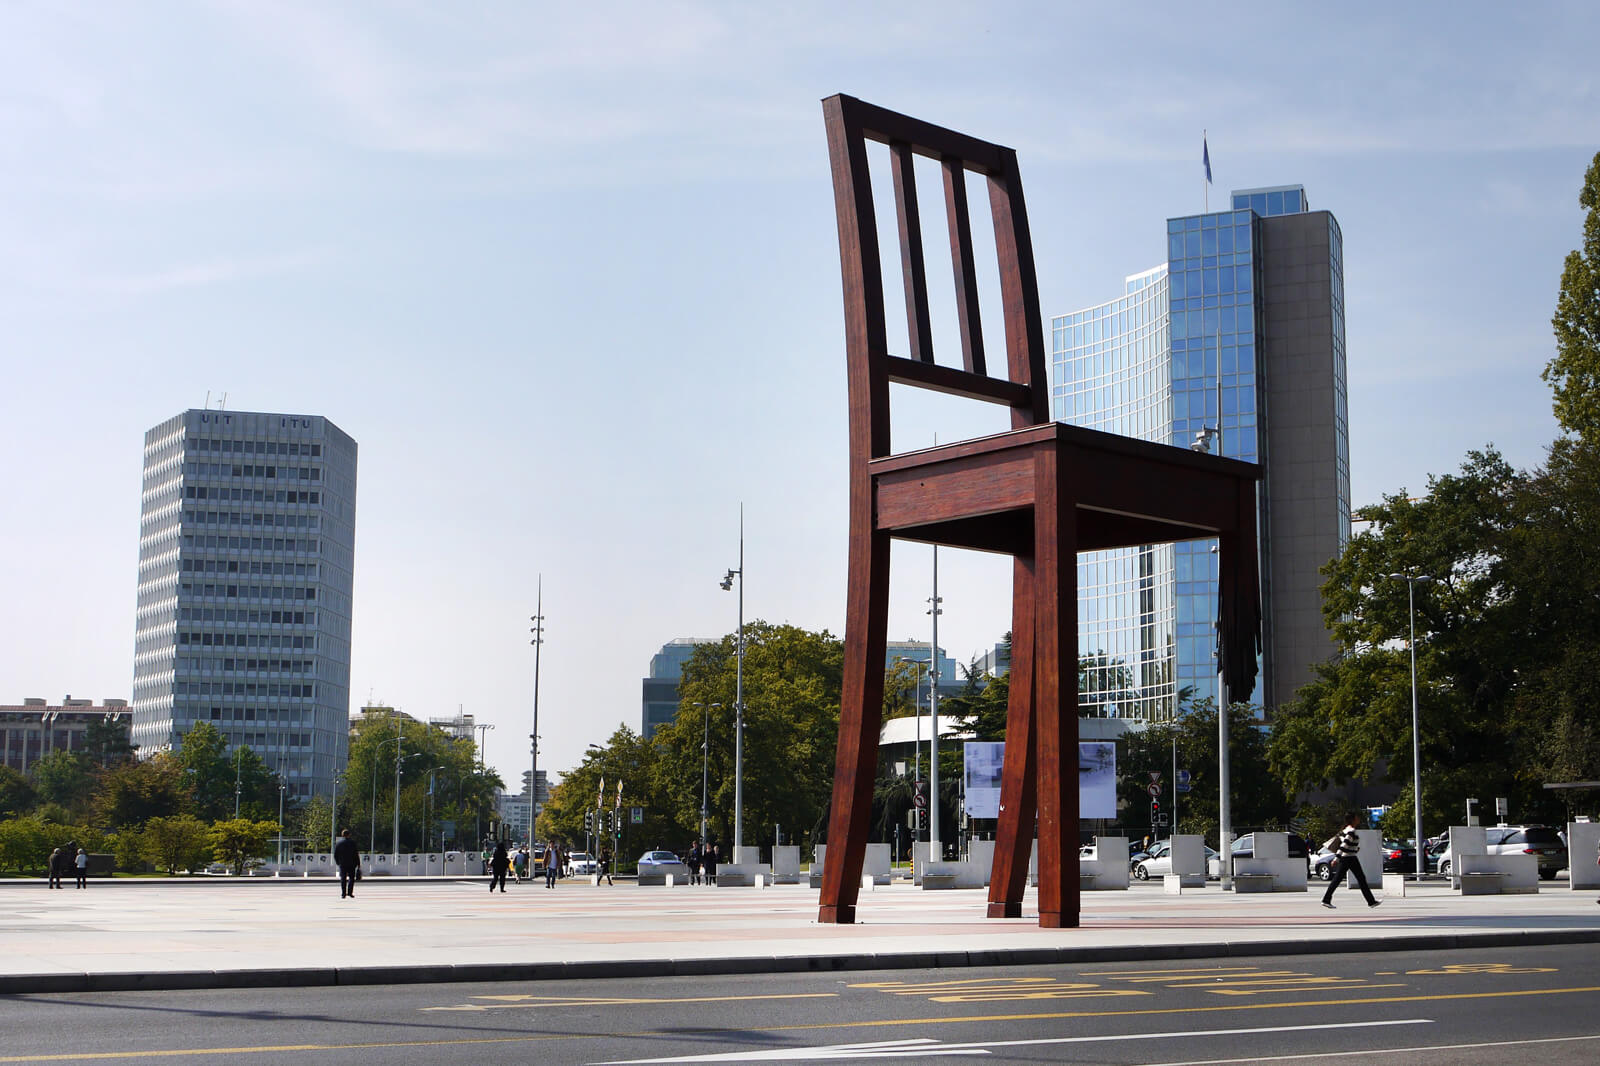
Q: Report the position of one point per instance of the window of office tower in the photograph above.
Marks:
(1110, 371)
(1213, 267)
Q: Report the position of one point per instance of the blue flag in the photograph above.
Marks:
(1205, 157)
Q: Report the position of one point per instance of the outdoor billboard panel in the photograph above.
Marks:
(1097, 778)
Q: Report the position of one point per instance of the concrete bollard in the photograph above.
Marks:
(670, 881)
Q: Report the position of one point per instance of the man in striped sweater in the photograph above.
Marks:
(1348, 846)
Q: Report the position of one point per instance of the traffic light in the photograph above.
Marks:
(588, 821)
(1155, 811)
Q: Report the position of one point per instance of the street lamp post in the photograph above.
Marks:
(1411, 581)
(281, 789)
(738, 700)
(399, 760)
(237, 781)
(1202, 443)
(431, 809)
(916, 701)
(372, 811)
(705, 759)
(533, 775)
(935, 846)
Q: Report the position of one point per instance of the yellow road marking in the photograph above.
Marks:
(1300, 988)
(813, 1026)
(1486, 967)
(1190, 970)
(525, 1002)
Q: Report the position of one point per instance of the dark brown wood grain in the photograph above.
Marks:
(1041, 493)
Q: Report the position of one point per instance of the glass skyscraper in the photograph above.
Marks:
(246, 560)
(1242, 332)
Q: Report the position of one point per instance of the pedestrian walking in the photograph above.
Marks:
(605, 865)
(55, 869)
(347, 857)
(709, 859)
(519, 864)
(82, 863)
(1347, 845)
(552, 865)
(498, 866)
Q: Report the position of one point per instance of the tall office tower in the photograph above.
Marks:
(1247, 313)
(246, 556)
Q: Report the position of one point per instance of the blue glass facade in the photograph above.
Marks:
(1180, 356)
(1112, 371)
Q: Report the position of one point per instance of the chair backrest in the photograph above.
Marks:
(1025, 389)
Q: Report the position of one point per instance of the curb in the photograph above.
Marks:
(181, 980)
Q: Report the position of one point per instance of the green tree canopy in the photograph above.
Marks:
(182, 842)
(367, 789)
(132, 793)
(792, 680)
(238, 840)
(64, 778)
(1574, 372)
(16, 794)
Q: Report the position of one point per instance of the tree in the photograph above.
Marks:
(633, 762)
(367, 796)
(105, 742)
(792, 680)
(63, 777)
(178, 843)
(25, 845)
(1259, 799)
(1574, 372)
(16, 794)
(238, 840)
(132, 793)
(981, 705)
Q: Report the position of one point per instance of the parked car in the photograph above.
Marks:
(1158, 862)
(1541, 841)
(1322, 864)
(657, 858)
(1400, 857)
(581, 864)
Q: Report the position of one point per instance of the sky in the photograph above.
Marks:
(569, 274)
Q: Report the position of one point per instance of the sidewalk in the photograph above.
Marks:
(211, 933)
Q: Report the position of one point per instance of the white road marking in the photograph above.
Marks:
(1380, 1051)
(924, 1046)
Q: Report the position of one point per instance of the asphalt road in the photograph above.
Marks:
(1495, 1005)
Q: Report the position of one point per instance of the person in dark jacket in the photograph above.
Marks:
(347, 857)
(1348, 846)
(498, 866)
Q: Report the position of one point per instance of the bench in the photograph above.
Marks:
(1255, 883)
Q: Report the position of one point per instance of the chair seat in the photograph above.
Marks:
(979, 494)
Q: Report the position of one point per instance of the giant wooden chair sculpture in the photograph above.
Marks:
(1041, 492)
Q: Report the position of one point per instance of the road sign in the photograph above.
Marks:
(1161, 819)
(1155, 775)
(1155, 790)
(919, 799)
(635, 815)
(1183, 780)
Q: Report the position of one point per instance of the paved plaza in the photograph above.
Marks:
(204, 932)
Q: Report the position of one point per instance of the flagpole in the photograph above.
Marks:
(1205, 151)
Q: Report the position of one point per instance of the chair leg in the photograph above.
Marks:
(1008, 879)
(860, 718)
(1056, 707)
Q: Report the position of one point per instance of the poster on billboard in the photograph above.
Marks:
(1097, 778)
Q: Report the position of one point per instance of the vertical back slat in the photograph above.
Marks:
(1019, 288)
(912, 268)
(961, 261)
